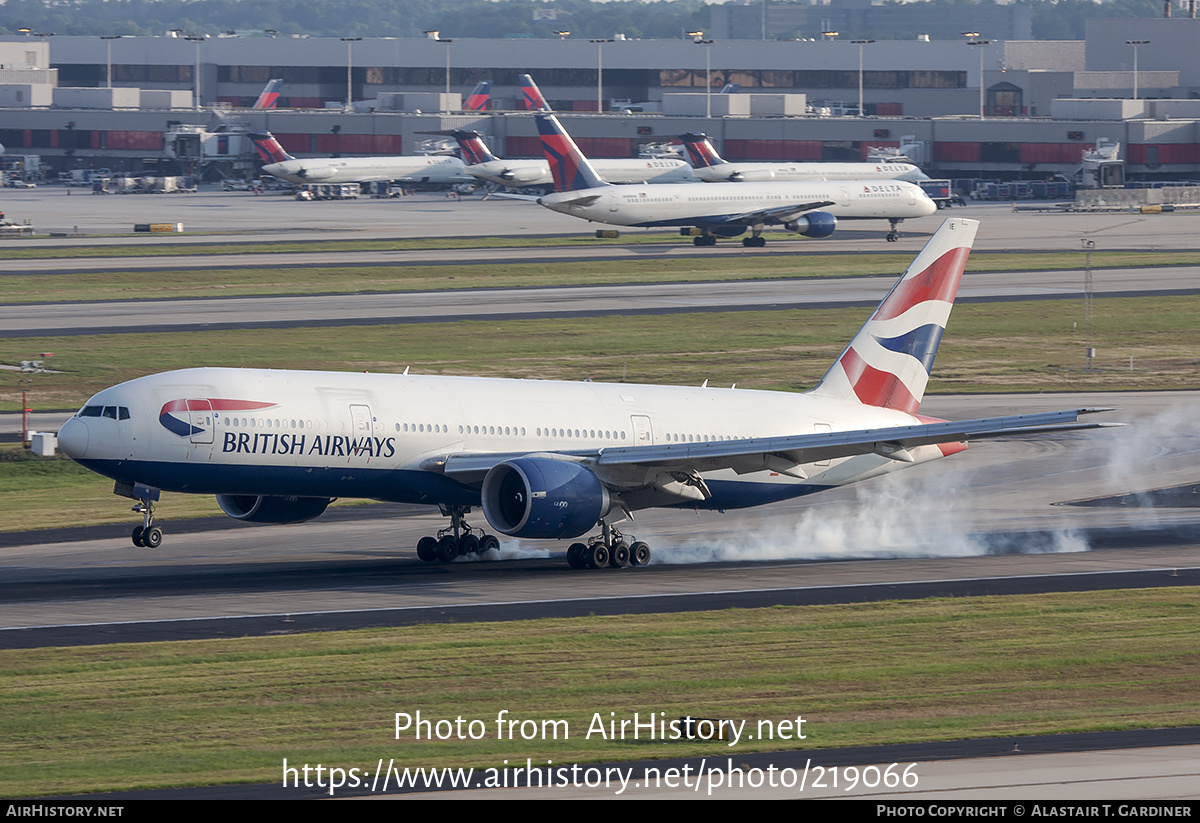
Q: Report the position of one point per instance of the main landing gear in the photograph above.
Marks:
(607, 549)
(460, 538)
(894, 234)
(704, 240)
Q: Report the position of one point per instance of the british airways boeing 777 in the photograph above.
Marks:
(543, 459)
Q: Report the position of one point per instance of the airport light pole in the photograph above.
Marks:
(701, 41)
(1135, 44)
(980, 44)
(350, 41)
(600, 73)
(860, 44)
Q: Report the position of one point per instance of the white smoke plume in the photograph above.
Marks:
(891, 517)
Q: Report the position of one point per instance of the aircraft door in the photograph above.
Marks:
(361, 422)
(822, 428)
(200, 419)
(643, 432)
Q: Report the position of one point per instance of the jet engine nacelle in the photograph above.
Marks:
(543, 497)
(752, 176)
(262, 509)
(523, 175)
(315, 174)
(814, 224)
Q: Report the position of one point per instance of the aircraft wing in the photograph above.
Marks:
(761, 453)
(779, 214)
(779, 453)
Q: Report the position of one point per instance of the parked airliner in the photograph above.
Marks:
(481, 163)
(810, 208)
(712, 168)
(432, 169)
(543, 459)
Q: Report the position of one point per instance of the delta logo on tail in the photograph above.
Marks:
(474, 150)
(477, 100)
(699, 150)
(568, 166)
(169, 415)
(534, 101)
(269, 97)
(268, 147)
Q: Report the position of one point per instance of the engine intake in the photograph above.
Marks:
(543, 497)
(280, 510)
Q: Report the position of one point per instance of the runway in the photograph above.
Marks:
(134, 316)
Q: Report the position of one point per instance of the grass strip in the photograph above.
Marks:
(229, 711)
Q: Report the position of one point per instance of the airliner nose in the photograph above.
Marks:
(73, 438)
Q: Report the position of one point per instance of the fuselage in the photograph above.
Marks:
(783, 172)
(414, 169)
(382, 436)
(716, 203)
(614, 170)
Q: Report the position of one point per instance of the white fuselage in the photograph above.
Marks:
(783, 172)
(700, 204)
(415, 169)
(518, 173)
(382, 436)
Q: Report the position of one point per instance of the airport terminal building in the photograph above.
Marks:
(82, 102)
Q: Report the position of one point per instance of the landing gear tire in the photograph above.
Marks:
(489, 542)
(597, 556)
(137, 537)
(704, 240)
(152, 537)
(447, 548)
(754, 242)
(427, 549)
(575, 556)
(619, 556)
(639, 554)
(468, 544)
(893, 236)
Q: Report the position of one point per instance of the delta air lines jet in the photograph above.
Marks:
(810, 208)
(481, 163)
(543, 459)
(433, 169)
(712, 168)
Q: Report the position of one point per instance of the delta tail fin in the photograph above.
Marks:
(534, 101)
(269, 97)
(268, 147)
(888, 362)
(470, 144)
(700, 150)
(569, 168)
(477, 100)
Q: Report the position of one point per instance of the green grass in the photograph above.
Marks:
(140, 285)
(1020, 346)
(227, 711)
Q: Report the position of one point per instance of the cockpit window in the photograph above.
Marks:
(111, 412)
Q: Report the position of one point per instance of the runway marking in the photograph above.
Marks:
(601, 598)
